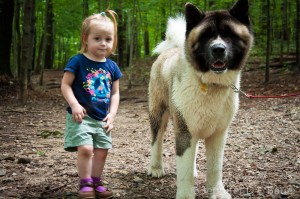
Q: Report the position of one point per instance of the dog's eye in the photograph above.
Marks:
(227, 32)
(208, 33)
(195, 45)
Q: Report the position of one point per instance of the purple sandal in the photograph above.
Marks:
(87, 189)
(100, 190)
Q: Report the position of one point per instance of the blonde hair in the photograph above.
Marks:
(108, 15)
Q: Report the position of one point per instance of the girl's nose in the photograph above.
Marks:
(102, 42)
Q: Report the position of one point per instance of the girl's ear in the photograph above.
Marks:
(84, 42)
(84, 39)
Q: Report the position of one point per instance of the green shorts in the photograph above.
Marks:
(88, 132)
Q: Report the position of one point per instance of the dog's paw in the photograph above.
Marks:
(156, 171)
(221, 194)
(185, 194)
(218, 191)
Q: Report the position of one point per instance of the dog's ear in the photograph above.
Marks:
(240, 11)
(193, 17)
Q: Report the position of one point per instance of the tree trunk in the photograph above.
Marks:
(121, 35)
(85, 5)
(146, 41)
(49, 48)
(267, 71)
(283, 31)
(162, 24)
(17, 39)
(44, 42)
(6, 21)
(132, 35)
(298, 35)
(144, 26)
(27, 47)
(33, 44)
(39, 63)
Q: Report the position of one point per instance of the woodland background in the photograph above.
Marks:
(43, 34)
(37, 38)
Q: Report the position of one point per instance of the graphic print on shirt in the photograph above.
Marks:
(98, 84)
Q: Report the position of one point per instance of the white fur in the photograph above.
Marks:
(175, 35)
(185, 166)
(218, 107)
(218, 40)
(156, 168)
(207, 114)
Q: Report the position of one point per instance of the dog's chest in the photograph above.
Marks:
(205, 109)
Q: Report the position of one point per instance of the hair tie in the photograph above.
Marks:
(103, 14)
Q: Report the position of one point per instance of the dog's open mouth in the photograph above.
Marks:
(218, 66)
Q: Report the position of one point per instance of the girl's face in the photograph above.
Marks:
(100, 40)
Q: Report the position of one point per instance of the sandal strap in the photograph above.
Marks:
(96, 184)
(100, 184)
(86, 184)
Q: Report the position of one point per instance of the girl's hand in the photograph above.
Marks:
(78, 112)
(109, 119)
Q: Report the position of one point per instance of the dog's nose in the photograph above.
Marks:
(218, 50)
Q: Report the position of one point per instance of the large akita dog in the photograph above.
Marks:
(190, 81)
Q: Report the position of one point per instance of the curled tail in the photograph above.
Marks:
(175, 35)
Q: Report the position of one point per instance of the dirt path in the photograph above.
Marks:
(262, 157)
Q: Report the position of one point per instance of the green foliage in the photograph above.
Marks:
(46, 134)
(152, 15)
(41, 153)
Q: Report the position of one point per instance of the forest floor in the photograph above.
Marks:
(262, 158)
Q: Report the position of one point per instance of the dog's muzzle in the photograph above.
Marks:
(218, 58)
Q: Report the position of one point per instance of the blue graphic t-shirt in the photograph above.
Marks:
(93, 84)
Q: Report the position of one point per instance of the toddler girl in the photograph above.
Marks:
(90, 85)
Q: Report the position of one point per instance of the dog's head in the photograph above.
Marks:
(218, 41)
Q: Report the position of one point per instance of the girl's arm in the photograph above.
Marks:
(114, 104)
(78, 111)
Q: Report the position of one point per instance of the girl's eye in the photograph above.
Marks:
(108, 39)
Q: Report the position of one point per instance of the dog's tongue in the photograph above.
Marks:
(218, 64)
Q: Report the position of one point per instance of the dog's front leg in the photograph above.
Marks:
(158, 120)
(214, 154)
(185, 172)
(156, 167)
(185, 158)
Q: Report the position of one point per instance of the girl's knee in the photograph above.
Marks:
(85, 150)
(100, 153)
